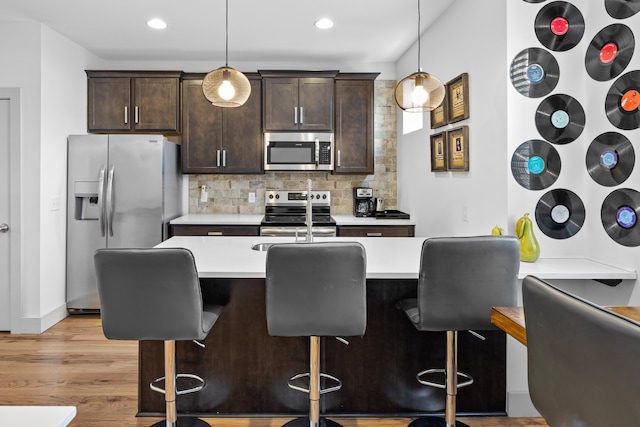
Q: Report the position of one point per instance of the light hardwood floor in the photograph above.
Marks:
(73, 364)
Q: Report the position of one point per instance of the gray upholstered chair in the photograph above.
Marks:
(316, 290)
(582, 359)
(154, 294)
(461, 278)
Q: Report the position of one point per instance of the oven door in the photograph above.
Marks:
(297, 232)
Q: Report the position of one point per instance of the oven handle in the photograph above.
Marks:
(274, 231)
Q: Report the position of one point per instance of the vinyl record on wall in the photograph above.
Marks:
(610, 159)
(621, 9)
(534, 1)
(622, 101)
(609, 52)
(560, 119)
(534, 72)
(619, 215)
(560, 214)
(559, 26)
(535, 164)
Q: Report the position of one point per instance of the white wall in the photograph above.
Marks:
(463, 40)
(49, 70)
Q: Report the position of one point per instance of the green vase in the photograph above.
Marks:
(529, 247)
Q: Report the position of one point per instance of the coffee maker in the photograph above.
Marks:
(363, 202)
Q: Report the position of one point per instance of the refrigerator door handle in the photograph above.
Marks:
(110, 200)
(100, 200)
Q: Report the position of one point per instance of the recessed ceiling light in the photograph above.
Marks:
(157, 23)
(323, 23)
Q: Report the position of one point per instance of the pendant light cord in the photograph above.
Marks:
(419, 69)
(226, 51)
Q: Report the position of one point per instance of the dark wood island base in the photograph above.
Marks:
(246, 370)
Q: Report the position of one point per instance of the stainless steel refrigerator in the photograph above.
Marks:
(122, 191)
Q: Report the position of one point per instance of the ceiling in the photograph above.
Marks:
(259, 30)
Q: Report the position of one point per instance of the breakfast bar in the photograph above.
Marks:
(246, 370)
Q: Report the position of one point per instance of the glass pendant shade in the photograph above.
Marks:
(226, 87)
(419, 93)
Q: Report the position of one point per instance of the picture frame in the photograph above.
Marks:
(458, 149)
(458, 98)
(439, 152)
(439, 116)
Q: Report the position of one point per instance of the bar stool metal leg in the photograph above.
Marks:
(170, 393)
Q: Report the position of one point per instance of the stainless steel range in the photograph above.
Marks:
(285, 214)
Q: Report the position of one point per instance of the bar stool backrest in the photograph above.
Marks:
(316, 289)
(461, 278)
(582, 359)
(150, 294)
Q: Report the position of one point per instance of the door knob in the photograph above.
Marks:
(4, 228)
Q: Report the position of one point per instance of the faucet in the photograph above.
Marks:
(309, 216)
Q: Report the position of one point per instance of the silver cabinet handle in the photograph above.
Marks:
(214, 233)
(101, 196)
(374, 234)
(126, 115)
(218, 158)
(224, 158)
(4, 227)
(135, 113)
(301, 115)
(295, 115)
(338, 158)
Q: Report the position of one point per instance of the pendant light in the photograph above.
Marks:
(226, 87)
(420, 92)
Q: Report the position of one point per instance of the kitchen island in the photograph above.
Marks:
(247, 370)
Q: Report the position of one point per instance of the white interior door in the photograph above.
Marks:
(5, 226)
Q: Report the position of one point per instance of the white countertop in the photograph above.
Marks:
(387, 258)
(41, 416)
(242, 219)
(217, 219)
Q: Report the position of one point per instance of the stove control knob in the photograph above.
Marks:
(324, 196)
(271, 196)
(277, 196)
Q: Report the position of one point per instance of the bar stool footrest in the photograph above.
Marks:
(197, 388)
(468, 378)
(336, 387)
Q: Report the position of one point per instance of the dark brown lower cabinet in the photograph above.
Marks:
(246, 370)
(214, 230)
(376, 231)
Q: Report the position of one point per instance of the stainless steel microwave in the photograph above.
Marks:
(301, 151)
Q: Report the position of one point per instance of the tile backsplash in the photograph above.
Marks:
(229, 194)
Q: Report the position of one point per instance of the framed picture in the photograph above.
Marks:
(439, 152)
(458, 98)
(439, 116)
(458, 149)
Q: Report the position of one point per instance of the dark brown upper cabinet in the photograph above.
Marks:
(354, 123)
(133, 101)
(221, 140)
(298, 100)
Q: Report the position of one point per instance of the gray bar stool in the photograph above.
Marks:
(316, 290)
(154, 294)
(582, 359)
(461, 278)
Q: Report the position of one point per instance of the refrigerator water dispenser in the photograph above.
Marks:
(86, 200)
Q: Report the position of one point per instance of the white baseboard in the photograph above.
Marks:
(519, 405)
(37, 325)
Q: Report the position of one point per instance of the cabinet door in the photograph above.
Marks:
(202, 131)
(280, 104)
(156, 104)
(109, 101)
(215, 230)
(242, 134)
(315, 104)
(354, 148)
(376, 231)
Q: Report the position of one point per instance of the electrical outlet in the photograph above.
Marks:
(252, 197)
(54, 203)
